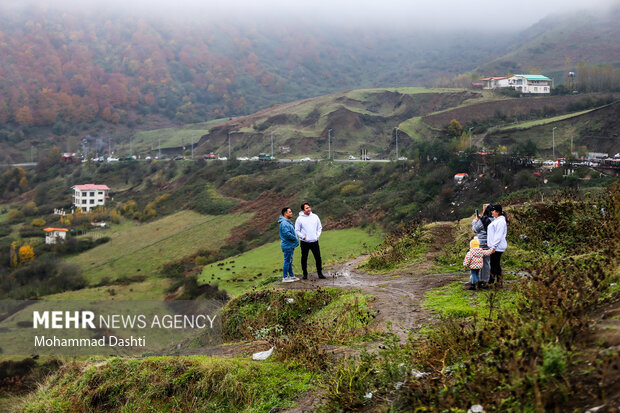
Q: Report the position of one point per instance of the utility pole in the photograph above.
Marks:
(397, 143)
(329, 141)
(192, 148)
(31, 157)
(571, 144)
(272, 144)
(228, 144)
(470, 137)
(130, 145)
(553, 140)
(159, 149)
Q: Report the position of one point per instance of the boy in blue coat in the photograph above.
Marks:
(288, 243)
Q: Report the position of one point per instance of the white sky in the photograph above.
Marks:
(439, 14)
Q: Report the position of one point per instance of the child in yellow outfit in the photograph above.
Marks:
(473, 260)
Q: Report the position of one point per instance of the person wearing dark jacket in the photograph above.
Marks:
(479, 227)
(288, 244)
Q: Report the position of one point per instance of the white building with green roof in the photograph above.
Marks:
(531, 84)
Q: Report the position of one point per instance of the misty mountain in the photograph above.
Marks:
(557, 43)
(78, 67)
(71, 67)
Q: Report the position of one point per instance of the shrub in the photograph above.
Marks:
(15, 215)
(38, 222)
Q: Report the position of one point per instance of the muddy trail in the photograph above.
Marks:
(398, 297)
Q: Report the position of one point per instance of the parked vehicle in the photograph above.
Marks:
(209, 156)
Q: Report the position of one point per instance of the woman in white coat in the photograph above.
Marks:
(496, 240)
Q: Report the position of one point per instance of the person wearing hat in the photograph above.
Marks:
(474, 261)
(496, 240)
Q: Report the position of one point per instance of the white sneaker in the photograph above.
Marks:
(294, 278)
(287, 280)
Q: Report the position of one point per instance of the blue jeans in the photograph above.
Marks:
(287, 269)
(475, 276)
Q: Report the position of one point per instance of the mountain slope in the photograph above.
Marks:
(558, 43)
(69, 67)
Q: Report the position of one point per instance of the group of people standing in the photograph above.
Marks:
(486, 248)
(305, 233)
(483, 258)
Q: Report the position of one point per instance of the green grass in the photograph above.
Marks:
(142, 249)
(454, 300)
(335, 315)
(163, 384)
(363, 93)
(170, 137)
(336, 246)
(539, 122)
(151, 289)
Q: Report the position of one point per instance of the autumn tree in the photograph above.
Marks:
(454, 128)
(26, 254)
(23, 116)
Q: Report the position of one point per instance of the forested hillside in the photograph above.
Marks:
(68, 67)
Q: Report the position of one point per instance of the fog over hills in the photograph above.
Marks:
(79, 62)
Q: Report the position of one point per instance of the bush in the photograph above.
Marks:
(43, 276)
(38, 222)
(15, 215)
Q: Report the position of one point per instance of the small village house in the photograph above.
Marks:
(55, 235)
(490, 83)
(535, 84)
(90, 196)
(527, 84)
(458, 178)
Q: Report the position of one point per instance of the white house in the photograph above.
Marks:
(458, 178)
(494, 82)
(54, 235)
(90, 196)
(534, 84)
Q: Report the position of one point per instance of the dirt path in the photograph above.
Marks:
(398, 297)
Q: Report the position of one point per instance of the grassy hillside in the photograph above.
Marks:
(359, 118)
(264, 264)
(148, 141)
(593, 130)
(172, 384)
(142, 249)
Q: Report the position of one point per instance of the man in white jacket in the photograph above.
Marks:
(308, 228)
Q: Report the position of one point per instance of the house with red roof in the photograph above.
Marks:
(90, 196)
(494, 82)
(458, 178)
(55, 235)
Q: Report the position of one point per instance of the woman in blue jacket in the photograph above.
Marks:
(288, 244)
